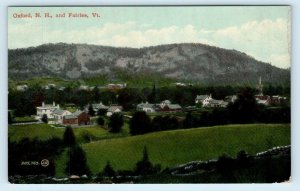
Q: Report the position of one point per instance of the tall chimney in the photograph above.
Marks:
(53, 103)
(43, 104)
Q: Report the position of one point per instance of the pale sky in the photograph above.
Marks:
(262, 32)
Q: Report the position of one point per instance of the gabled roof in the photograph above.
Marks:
(114, 108)
(58, 111)
(262, 97)
(202, 97)
(47, 107)
(78, 112)
(174, 106)
(70, 117)
(99, 106)
(148, 105)
(166, 102)
(215, 101)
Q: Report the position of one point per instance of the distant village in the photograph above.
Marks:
(57, 115)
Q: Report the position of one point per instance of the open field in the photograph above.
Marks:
(168, 148)
(45, 131)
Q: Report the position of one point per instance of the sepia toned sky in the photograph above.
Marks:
(260, 31)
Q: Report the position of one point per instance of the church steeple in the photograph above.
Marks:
(260, 86)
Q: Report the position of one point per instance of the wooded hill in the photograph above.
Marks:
(196, 63)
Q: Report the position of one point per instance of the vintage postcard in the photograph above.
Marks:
(149, 94)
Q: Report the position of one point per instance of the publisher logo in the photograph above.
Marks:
(45, 162)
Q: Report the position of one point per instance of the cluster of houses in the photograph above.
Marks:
(56, 115)
(270, 100)
(108, 109)
(208, 101)
(60, 116)
(164, 106)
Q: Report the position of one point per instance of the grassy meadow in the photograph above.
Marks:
(170, 148)
(167, 148)
(45, 131)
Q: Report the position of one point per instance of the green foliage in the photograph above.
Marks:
(188, 121)
(69, 139)
(152, 97)
(116, 122)
(45, 119)
(25, 119)
(128, 97)
(101, 112)
(199, 105)
(144, 166)
(9, 118)
(87, 136)
(91, 110)
(245, 108)
(100, 121)
(140, 123)
(77, 163)
(33, 150)
(44, 132)
(108, 170)
(96, 94)
(162, 123)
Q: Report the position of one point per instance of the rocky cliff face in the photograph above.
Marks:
(194, 62)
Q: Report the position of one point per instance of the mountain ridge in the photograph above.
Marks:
(186, 61)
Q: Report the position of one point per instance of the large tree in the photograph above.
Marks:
(140, 123)
(91, 110)
(77, 163)
(152, 96)
(108, 170)
(144, 166)
(116, 122)
(96, 94)
(69, 137)
(245, 108)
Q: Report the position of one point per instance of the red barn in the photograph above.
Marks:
(77, 118)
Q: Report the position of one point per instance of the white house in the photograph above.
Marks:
(46, 109)
(49, 86)
(98, 106)
(217, 103)
(116, 86)
(147, 107)
(22, 88)
(83, 87)
(59, 114)
(203, 99)
(114, 109)
(231, 98)
(165, 103)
